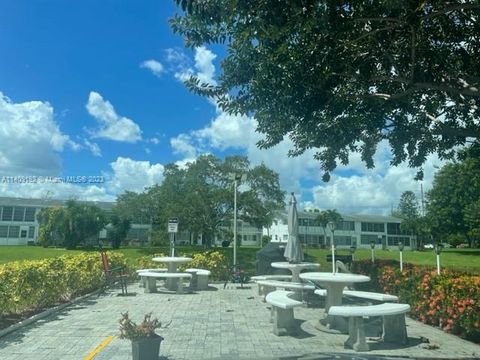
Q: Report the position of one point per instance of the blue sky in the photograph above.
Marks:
(94, 88)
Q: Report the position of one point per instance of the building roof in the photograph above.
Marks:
(282, 215)
(11, 201)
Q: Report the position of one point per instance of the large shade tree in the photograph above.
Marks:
(454, 197)
(341, 76)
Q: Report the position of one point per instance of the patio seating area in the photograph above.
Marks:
(213, 324)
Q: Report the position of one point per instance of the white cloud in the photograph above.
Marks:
(154, 66)
(133, 175)
(112, 126)
(204, 64)
(154, 140)
(93, 147)
(182, 145)
(30, 139)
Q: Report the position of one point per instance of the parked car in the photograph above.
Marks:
(462, 246)
(428, 246)
(446, 245)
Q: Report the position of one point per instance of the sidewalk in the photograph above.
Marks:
(213, 324)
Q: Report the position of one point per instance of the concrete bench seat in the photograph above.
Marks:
(394, 328)
(363, 294)
(271, 277)
(144, 279)
(271, 285)
(153, 276)
(282, 311)
(261, 289)
(202, 277)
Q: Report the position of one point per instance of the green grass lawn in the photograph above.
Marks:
(459, 259)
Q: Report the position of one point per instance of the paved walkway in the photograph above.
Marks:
(213, 324)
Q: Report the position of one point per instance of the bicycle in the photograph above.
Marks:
(236, 275)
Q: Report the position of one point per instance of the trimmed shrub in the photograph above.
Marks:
(30, 285)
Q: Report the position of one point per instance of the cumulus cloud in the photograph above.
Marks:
(133, 175)
(112, 126)
(30, 139)
(182, 145)
(154, 66)
(183, 68)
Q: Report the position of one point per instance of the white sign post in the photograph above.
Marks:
(172, 230)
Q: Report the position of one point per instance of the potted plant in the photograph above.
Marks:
(145, 342)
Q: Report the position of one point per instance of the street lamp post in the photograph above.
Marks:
(372, 245)
(237, 178)
(438, 250)
(400, 247)
(331, 226)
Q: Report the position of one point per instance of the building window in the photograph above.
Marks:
(23, 234)
(30, 214)
(373, 227)
(31, 232)
(13, 231)
(393, 240)
(343, 240)
(346, 225)
(367, 239)
(7, 213)
(18, 213)
(3, 231)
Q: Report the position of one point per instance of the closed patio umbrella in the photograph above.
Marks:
(293, 250)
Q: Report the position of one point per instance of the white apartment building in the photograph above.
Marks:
(355, 230)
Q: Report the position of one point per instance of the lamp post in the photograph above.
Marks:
(372, 246)
(352, 250)
(331, 226)
(400, 247)
(236, 178)
(438, 250)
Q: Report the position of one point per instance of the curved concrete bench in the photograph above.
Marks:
(271, 285)
(153, 276)
(261, 289)
(282, 311)
(394, 328)
(363, 295)
(202, 277)
(271, 277)
(143, 282)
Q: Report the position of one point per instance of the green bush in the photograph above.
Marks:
(30, 285)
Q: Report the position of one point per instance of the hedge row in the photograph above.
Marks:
(30, 285)
(450, 301)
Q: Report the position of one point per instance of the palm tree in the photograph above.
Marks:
(328, 216)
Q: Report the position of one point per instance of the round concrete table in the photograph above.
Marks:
(295, 268)
(172, 263)
(334, 283)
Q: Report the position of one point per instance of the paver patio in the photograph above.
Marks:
(213, 324)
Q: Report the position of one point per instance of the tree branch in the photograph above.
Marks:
(450, 8)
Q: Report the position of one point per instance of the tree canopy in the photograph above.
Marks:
(454, 199)
(201, 195)
(339, 77)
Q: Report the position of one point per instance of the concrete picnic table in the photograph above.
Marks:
(172, 263)
(295, 268)
(334, 283)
